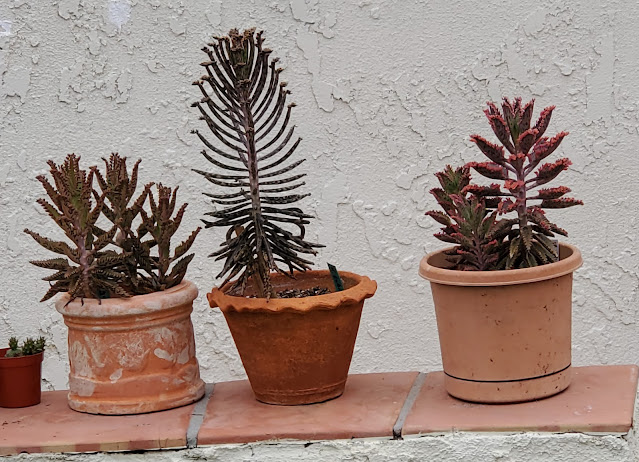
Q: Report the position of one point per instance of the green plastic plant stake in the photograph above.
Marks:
(337, 280)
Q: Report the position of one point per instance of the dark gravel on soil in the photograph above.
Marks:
(297, 293)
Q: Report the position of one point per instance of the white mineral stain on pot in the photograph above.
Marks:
(82, 387)
(97, 352)
(184, 356)
(81, 360)
(116, 375)
(133, 356)
(163, 335)
(163, 354)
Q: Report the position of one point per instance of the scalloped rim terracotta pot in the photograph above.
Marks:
(297, 350)
(132, 355)
(505, 336)
(20, 379)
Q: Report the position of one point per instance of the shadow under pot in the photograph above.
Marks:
(505, 336)
(297, 350)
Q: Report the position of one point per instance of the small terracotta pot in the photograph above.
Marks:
(132, 355)
(297, 350)
(505, 336)
(20, 379)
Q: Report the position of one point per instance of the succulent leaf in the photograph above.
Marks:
(490, 170)
(560, 203)
(492, 151)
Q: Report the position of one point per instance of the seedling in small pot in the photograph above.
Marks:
(29, 347)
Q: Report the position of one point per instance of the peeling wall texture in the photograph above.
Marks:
(388, 92)
(453, 447)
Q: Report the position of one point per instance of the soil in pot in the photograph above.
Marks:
(297, 350)
(20, 379)
(505, 336)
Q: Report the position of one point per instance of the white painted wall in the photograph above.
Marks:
(388, 92)
(453, 447)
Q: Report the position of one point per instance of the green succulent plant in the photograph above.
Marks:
(29, 347)
(86, 269)
(117, 248)
(149, 267)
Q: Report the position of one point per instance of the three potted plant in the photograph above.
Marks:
(124, 300)
(20, 372)
(295, 333)
(503, 293)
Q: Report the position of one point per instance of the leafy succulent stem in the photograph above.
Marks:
(84, 264)
(261, 267)
(467, 222)
(520, 199)
(115, 261)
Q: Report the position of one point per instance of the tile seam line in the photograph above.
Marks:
(408, 405)
(197, 417)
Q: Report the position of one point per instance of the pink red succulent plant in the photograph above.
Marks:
(470, 211)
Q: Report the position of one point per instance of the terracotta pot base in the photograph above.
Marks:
(295, 397)
(182, 397)
(508, 392)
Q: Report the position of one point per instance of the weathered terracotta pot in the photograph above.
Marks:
(297, 350)
(20, 379)
(505, 336)
(132, 355)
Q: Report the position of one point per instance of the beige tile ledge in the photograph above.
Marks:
(52, 426)
(601, 399)
(369, 407)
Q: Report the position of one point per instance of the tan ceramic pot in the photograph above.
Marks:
(504, 335)
(297, 350)
(132, 355)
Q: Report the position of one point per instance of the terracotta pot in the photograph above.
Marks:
(297, 350)
(132, 355)
(504, 335)
(20, 379)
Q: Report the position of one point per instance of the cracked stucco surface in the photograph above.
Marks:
(388, 92)
(453, 447)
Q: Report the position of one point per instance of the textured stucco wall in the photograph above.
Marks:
(388, 92)
(455, 447)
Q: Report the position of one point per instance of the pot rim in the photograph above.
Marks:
(19, 361)
(435, 274)
(363, 289)
(184, 292)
